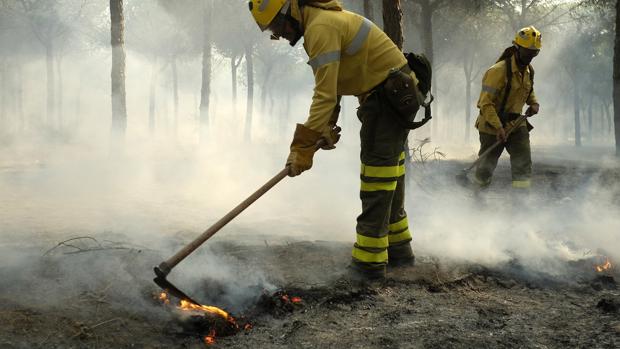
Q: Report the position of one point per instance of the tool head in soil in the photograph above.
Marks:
(161, 271)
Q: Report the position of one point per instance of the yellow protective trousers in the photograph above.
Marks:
(382, 227)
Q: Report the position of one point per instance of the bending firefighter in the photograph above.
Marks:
(506, 87)
(349, 55)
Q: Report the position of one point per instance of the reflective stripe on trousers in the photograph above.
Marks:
(383, 222)
(382, 227)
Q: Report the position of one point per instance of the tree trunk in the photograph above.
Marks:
(609, 118)
(577, 111)
(205, 91)
(78, 103)
(20, 96)
(467, 71)
(3, 91)
(233, 76)
(249, 106)
(152, 91)
(175, 96)
(616, 88)
(426, 17)
(393, 21)
(49, 60)
(119, 106)
(287, 113)
(590, 119)
(59, 111)
(264, 88)
(467, 108)
(368, 13)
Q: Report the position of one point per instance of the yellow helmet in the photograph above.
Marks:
(529, 37)
(264, 11)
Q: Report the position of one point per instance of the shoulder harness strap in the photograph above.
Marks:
(502, 108)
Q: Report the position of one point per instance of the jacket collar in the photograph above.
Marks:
(297, 11)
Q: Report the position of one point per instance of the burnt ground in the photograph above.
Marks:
(99, 294)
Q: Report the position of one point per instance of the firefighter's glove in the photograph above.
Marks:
(331, 133)
(303, 147)
(532, 110)
(331, 136)
(501, 135)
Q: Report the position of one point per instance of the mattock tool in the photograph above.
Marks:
(165, 267)
(461, 177)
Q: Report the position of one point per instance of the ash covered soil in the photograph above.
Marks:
(96, 292)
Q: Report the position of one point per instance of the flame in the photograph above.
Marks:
(210, 339)
(296, 299)
(605, 266)
(189, 306)
(247, 326)
(163, 297)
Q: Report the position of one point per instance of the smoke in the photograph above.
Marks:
(59, 179)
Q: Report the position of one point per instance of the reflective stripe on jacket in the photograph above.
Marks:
(492, 95)
(349, 55)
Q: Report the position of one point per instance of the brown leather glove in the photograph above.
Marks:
(501, 135)
(303, 148)
(331, 133)
(532, 109)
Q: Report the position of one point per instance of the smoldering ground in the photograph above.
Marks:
(492, 272)
(143, 207)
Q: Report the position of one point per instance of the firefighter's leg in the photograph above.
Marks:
(484, 170)
(518, 146)
(399, 236)
(382, 142)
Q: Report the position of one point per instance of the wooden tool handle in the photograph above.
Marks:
(519, 120)
(187, 250)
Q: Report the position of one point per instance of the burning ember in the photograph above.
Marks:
(605, 266)
(288, 299)
(210, 339)
(163, 297)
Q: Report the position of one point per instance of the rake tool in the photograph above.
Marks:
(461, 177)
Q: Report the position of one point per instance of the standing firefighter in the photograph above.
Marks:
(349, 55)
(506, 87)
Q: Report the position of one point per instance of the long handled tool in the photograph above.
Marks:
(461, 177)
(165, 267)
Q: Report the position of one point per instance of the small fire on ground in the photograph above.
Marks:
(219, 318)
(215, 322)
(604, 267)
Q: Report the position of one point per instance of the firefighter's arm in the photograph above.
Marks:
(534, 107)
(492, 84)
(323, 46)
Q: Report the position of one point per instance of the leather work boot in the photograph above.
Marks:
(358, 273)
(401, 256)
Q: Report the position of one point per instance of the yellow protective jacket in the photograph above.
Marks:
(349, 55)
(492, 95)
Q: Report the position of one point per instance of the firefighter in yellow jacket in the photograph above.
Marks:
(349, 55)
(506, 87)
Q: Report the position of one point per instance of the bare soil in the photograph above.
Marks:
(86, 294)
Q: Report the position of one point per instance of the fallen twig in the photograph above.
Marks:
(64, 243)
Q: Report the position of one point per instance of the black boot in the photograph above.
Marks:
(362, 272)
(401, 256)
